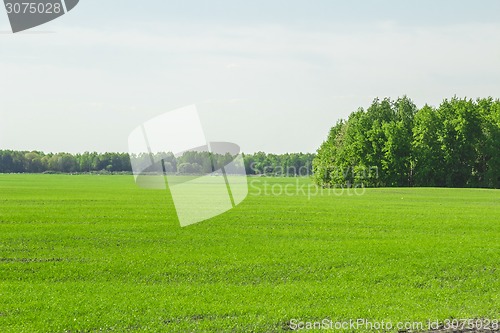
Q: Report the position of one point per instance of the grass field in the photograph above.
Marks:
(99, 254)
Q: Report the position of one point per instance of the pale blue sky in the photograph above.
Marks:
(268, 75)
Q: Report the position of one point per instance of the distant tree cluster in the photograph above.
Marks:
(393, 143)
(295, 164)
(38, 162)
(290, 164)
(190, 162)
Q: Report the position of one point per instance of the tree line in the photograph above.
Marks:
(393, 143)
(12, 161)
(260, 163)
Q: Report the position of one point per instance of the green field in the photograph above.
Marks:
(98, 254)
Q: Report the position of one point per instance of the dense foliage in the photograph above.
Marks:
(393, 143)
(260, 163)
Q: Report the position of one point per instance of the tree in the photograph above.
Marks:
(428, 159)
(456, 145)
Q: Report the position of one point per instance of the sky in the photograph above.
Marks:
(271, 75)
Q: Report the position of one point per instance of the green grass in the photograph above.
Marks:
(98, 254)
